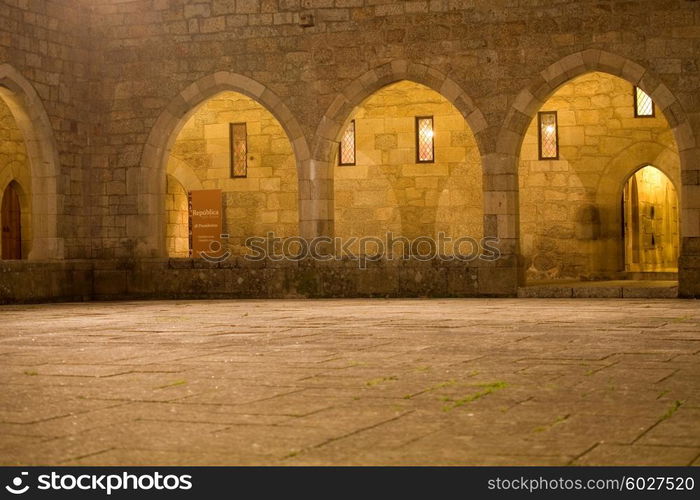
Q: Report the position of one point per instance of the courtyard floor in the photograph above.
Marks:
(345, 382)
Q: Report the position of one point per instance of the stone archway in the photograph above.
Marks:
(650, 221)
(31, 118)
(320, 220)
(388, 190)
(148, 229)
(618, 172)
(532, 98)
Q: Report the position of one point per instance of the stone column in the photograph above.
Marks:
(315, 199)
(689, 260)
(501, 222)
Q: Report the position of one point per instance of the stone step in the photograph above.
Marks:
(654, 276)
(601, 290)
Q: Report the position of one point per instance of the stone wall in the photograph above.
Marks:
(570, 208)
(115, 78)
(387, 191)
(237, 278)
(22, 281)
(45, 75)
(497, 64)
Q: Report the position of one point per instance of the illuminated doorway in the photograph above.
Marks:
(650, 222)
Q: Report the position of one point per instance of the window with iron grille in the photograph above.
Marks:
(346, 155)
(643, 105)
(425, 140)
(548, 135)
(238, 134)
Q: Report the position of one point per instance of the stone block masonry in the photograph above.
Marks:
(106, 85)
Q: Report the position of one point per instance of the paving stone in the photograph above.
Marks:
(639, 455)
(451, 382)
(676, 430)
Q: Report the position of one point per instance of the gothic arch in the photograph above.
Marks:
(317, 218)
(149, 231)
(619, 170)
(31, 118)
(532, 98)
(364, 86)
(623, 166)
(535, 95)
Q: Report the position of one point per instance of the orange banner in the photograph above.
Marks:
(205, 223)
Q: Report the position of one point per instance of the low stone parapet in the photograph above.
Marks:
(79, 280)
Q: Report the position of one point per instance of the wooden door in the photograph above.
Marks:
(11, 225)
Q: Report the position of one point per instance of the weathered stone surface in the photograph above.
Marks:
(356, 382)
(112, 81)
(570, 208)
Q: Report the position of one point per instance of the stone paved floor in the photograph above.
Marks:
(498, 382)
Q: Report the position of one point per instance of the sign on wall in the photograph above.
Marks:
(205, 222)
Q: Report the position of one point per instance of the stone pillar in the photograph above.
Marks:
(501, 221)
(316, 200)
(44, 220)
(689, 260)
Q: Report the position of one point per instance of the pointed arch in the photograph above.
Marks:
(317, 210)
(626, 163)
(148, 181)
(654, 200)
(533, 97)
(367, 84)
(504, 161)
(46, 203)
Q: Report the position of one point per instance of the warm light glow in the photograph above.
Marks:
(239, 149)
(424, 139)
(346, 154)
(652, 175)
(644, 104)
(549, 144)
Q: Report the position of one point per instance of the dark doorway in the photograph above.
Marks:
(11, 224)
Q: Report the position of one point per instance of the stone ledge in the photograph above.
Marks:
(650, 293)
(583, 290)
(238, 278)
